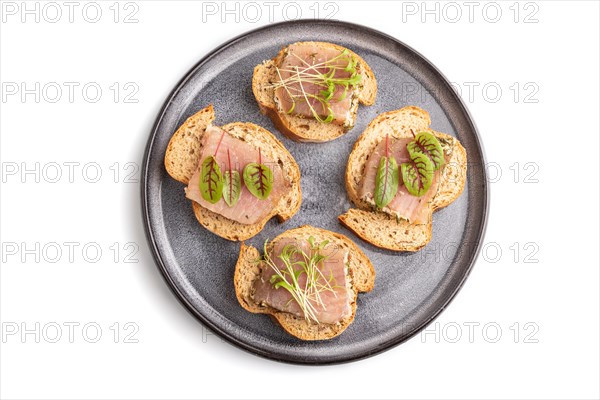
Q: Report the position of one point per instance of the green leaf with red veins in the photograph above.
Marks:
(232, 187)
(211, 180)
(386, 181)
(417, 174)
(258, 179)
(427, 144)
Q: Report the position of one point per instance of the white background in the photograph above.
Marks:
(546, 312)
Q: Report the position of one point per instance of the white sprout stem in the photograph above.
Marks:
(286, 88)
(311, 293)
(318, 117)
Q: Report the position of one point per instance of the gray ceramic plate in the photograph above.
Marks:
(410, 289)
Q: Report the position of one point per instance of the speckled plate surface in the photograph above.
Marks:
(411, 289)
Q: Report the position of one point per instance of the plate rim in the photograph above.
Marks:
(223, 333)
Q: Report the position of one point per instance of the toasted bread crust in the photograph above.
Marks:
(182, 159)
(247, 270)
(299, 128)
(183, 151)
(379, 228)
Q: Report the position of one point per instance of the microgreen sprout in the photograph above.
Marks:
(323, 77)
(297, 262)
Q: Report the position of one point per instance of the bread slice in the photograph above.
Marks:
(360, 272)
(377, 227)
(308, 129)
(183, 157)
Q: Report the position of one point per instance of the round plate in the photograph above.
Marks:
(411, 289)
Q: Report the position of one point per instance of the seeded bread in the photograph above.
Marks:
(308, 129)
(377, 227)
(183, 157)
(361, 275)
